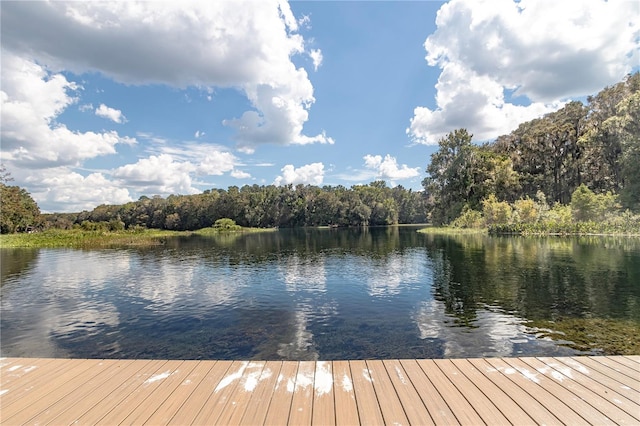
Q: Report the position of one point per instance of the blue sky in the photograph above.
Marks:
(105, 102)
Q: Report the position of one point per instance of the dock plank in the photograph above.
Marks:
(613, 373)
(261, 394)
(564, 379)
(414, 408)
(302, 402)
(138, 400)
(534, 408)
(528, 390)
(524, 380)
(614, 365)
(199, 397)
(564, 394)
(345, 399)
(324, 412)
(462, 409)
(604, 383)
(431, 398)
(280, 404)
(511, 411)
(369, 410)
(111, 399)
(392, 409)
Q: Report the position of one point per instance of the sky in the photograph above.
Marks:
(105, 102)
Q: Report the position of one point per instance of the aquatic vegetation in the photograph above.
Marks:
(601, 336)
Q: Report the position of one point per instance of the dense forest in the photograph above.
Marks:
(580, 163)
(594, 147)
(260, 206)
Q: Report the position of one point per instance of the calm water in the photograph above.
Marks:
(312, 294)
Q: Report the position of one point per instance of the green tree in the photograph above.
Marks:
(18, 211)
(450, 176)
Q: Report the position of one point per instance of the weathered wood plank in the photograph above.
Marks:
(507, 406)
(261, 394)
(536, 410)
(431, 398)
(111, 399)
(604, 383)
(21, 395)
(16, 390)
(323, 403)
(483, 405)
(392, 410)
(614, 365)
(524, 379)
(221, 394)
(368, 407)
(414, 408)
(65, 412)
(241, 395)
(199, 397)
(614, 374)
(54, 404)
(12, 369)
(564, 379)
(346, 408)
(628, 361)
(34, 409)
(280, 404)
(459, 405)
(167, 384)
(302, 402)
(543, 390)
(568, 398)
(149, 382)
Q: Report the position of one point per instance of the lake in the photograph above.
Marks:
(308, 294)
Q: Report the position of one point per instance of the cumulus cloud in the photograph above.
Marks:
(32, 98)
(242, 44)
(310, 174)
(60, 189)
(388, 168)
(541, 51)
(172, 168)
(239, 174)
(112, 114)
(158, 175)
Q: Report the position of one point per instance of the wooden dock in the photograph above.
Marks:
(577, 390)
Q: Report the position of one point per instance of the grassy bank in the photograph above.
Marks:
(449, 230)
(84, 239)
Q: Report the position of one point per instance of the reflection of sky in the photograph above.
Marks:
(493, 334)
(68, 288)
(306, 274)
(385, 277)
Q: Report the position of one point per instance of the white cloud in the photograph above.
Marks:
(242, 44)
(60, 189)
(160, 175)
(310, 174)
(239, 174)
(544, 51)
(32, 98)
(198, 134)
(388, 168)
(112, 114)
(316, 57)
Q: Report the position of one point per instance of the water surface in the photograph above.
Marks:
(313, 294)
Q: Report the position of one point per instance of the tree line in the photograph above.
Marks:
(259, 206)
(596, 145)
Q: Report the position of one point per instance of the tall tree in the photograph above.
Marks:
(450, 176)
